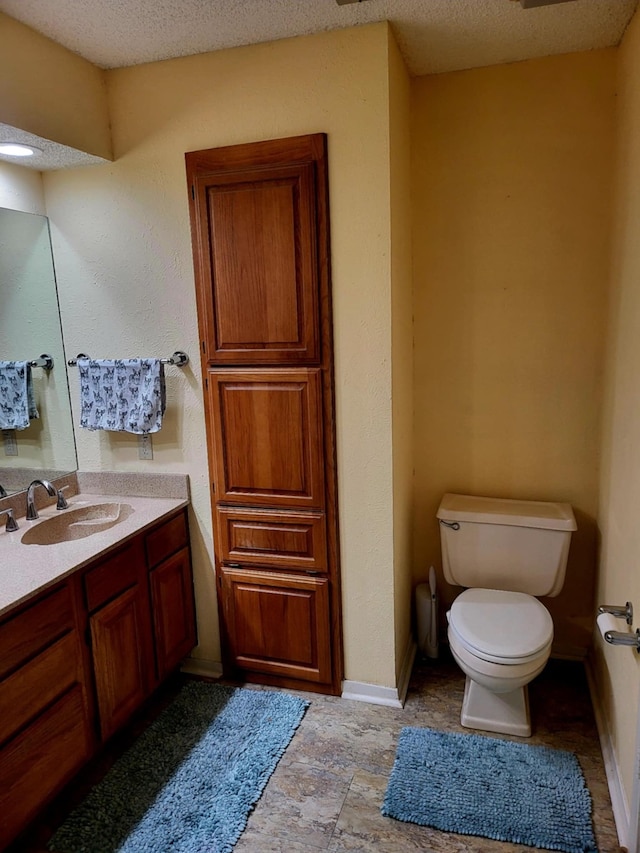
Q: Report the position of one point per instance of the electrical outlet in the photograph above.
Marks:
(145, 446)
(10, 443)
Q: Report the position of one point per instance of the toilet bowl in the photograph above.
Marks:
(501, 640)
(505, 552)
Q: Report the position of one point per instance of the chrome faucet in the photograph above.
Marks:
(32, 512)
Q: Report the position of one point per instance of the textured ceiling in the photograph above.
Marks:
(434, 35)
(53, 156)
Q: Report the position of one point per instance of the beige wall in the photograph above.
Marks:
(49, 91)
(21, 189)
(401, 345)
(123, 255)
(511, 184)
(618, 669)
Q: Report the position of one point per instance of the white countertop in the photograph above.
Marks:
(28, 569)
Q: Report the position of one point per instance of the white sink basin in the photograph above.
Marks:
(78, 523)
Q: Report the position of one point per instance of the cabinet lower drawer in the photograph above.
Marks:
(36, 684)
(283, 539)
(39, 761)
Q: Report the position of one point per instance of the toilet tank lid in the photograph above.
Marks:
(541, 514)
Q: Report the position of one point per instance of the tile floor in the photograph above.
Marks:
(326, 792)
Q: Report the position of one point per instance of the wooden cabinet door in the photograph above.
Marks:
(122, 658)
(277, 624)
(256, 253)
(173, 611)
(267, 436)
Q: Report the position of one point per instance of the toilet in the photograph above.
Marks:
(505, 552)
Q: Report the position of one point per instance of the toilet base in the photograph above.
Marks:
(504, 713)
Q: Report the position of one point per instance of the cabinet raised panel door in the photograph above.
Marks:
(278, 624)
(261, 280)
(268, 437)
(119, 638)
(173, 611)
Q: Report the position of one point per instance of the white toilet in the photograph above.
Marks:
(505, 552)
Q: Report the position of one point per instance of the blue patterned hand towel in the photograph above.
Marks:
(17, 404)
(122, 394)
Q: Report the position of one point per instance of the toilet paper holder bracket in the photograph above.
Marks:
(623, 638)
(619, 611)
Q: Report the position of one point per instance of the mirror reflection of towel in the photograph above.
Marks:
(17, 403)
(122, 394)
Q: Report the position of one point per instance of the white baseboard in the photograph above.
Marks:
(372, 693)
(202, 667)
(393, 697)
(619, 804)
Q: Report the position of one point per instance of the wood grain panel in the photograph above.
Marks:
(36, 684)
(120, 637)
(283, 539)
(173, 611)
(167, 539)
(115, 574)
(279, 623)
(268, 436)
(26, 633)
(37, 763)
(256, 260)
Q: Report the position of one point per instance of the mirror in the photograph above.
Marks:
(30, 327)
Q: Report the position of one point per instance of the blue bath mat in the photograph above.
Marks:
(190, 781)
(492, 788)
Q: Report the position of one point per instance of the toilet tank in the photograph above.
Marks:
(495, 543)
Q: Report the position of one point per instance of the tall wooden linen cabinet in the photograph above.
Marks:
(260, 234)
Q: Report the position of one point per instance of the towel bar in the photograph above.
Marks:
(179, 359)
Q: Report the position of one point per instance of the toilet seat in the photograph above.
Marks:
(522, 671)
(501, 627)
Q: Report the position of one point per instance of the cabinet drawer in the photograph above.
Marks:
(282, 539)
(35, 764)
(36, 684)
(34, 628)
(114, 575)
(166, 540)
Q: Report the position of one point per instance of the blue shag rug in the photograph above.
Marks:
(483, 786)
(190, 781)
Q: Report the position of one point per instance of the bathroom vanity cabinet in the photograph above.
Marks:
(259, 218)
(79, 659)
